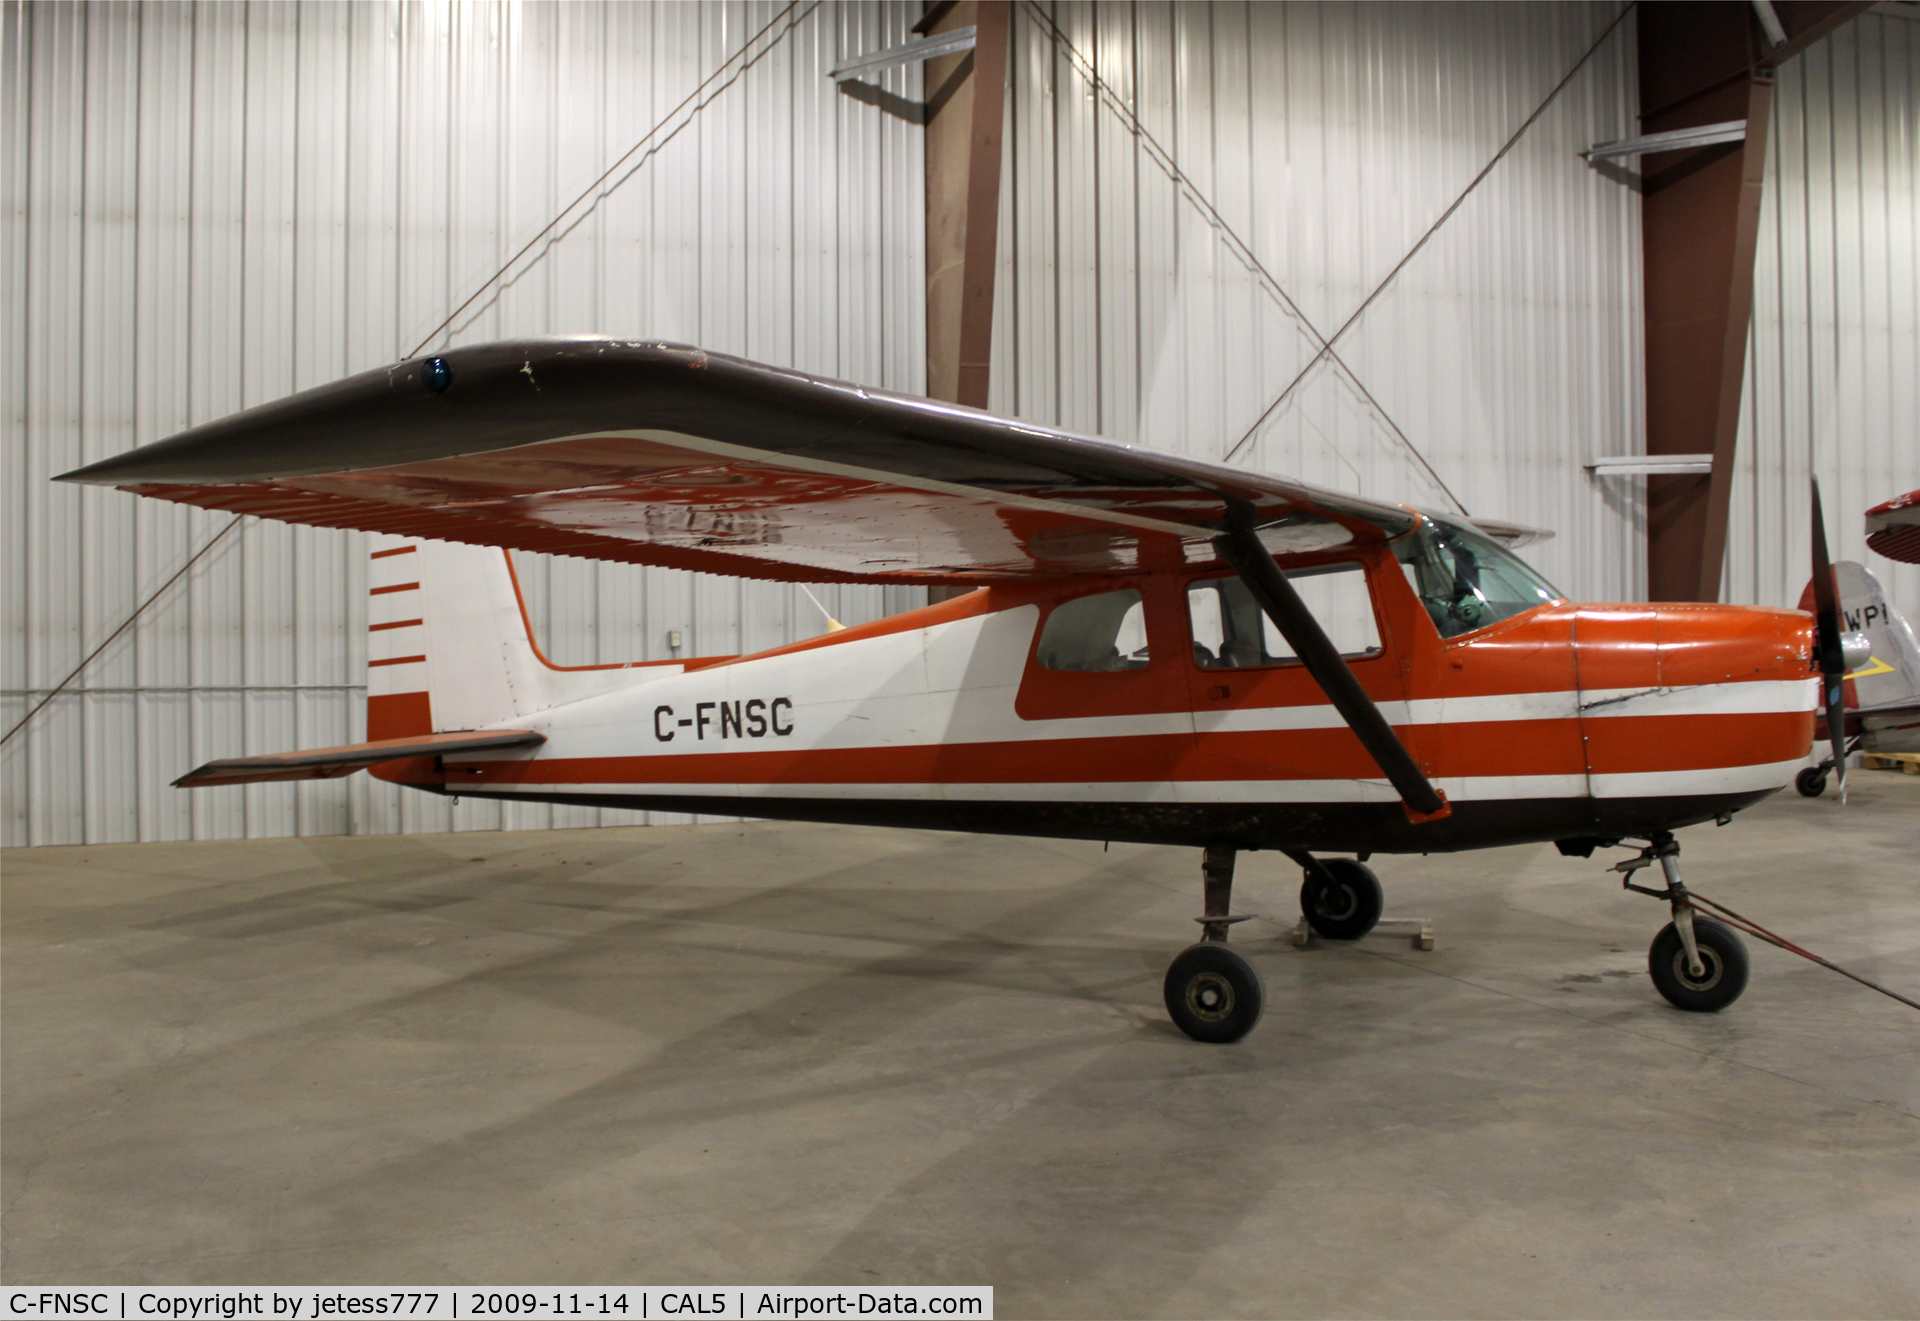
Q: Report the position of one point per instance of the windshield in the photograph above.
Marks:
(1465, 580)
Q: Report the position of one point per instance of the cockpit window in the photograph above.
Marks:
(1465, 580)
(1107, 631)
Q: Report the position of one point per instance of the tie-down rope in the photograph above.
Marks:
(1754, 929)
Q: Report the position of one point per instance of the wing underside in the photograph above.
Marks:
(661, 454)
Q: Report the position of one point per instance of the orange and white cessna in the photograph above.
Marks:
(1161, 650)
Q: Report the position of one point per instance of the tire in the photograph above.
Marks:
(1721, 950)
(1347, 909)
(1811, 782)
(1213, 994)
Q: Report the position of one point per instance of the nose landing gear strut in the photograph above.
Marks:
(1698, 964)
(1212, 993)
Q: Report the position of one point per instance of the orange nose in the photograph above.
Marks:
(1682, 645)
(1713, 694)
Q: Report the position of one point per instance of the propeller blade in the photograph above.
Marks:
(1826, 634)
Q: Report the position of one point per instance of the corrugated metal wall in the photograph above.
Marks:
(1833, 368)
(208, 207)
(211, 206)
(1330, 137)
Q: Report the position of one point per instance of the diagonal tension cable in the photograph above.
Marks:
(690, 100)
(1434, 228)
(691, 97)
(125, 624)
(1163, 158)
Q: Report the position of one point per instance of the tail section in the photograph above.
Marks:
(1891, 674)
(450, 647)
(398, 704)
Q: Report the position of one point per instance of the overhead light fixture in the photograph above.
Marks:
(1648, 465)
(1704, 135)
(920, 48)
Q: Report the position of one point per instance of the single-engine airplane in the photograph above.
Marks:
(1881, 694)
(1162, 650)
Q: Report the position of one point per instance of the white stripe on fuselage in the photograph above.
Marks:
(1459, 789)
(955, 683)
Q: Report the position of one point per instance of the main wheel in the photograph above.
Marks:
(1213, 994)
(1811, 782)
(1722, 953)
(1347, 908)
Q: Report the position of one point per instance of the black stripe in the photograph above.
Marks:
(1318, 827)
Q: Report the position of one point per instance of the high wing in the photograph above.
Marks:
(654, 453)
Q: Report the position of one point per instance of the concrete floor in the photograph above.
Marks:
(774, 1054)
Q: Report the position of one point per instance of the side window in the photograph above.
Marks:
(1230, 631)
(1103, 632)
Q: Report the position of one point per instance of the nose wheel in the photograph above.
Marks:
(1811, 782)
(1723, 966)
(1698, 964)
(1212, 994)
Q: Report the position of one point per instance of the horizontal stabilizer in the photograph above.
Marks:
(332, 763)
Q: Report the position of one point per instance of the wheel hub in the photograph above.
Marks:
(1337, 902)
(1210, 997)
(1711, 970)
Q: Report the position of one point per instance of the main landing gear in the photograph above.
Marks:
(1212, 993)
(1341, 898)
(1697, 963)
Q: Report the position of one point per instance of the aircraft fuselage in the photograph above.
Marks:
(1562, 722)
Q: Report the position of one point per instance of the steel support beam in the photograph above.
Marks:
(1697, 67)
(1703, 63)
(966, 100)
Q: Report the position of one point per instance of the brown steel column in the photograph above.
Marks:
(1703, 63)
(963, 200)
(1696, 67)
(966, 99)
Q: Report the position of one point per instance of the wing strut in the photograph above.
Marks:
(1240, 546)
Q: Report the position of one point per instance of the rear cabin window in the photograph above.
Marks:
(1103, 632)
(1231, 631)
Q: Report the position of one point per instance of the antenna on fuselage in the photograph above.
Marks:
(833, 625)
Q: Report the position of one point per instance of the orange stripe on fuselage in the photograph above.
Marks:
(1517, 747)
(1696, 742)
(1086, 760)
